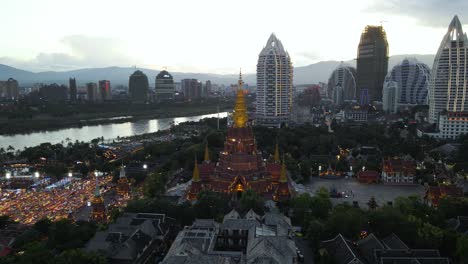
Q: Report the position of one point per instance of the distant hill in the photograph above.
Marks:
(313, 73)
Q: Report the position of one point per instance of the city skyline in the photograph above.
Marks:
(155, 35)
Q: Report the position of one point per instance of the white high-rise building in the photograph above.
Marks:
(343, 76)
(274, 84)
(448, 88)
(389, 96)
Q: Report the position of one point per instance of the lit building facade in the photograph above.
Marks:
(164, 87)
(398, 171)
(449, 81)
(342, 84)
(274, 84)
(372, 64)
(105, 90)
(452, 124)
(138, 87)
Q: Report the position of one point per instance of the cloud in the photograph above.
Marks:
(432, 13)
(84, 52)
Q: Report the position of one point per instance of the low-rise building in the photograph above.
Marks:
(435, 193)
(368, 176)
(238, 239)
(374, 250)
(133, 238)
(398, 171)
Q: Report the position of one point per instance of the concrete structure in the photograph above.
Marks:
(207, 89)
(73, 89)
(449, 81)
(138, 87)
(133, 238)
(342, 84)
(192, 89)
(372, 64)
(238, 239)
(105, 90)
(93, 92)
(9, 89)
(164, 86)
(406, 85)
(274, 84)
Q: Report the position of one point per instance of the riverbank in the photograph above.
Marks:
(91, 115)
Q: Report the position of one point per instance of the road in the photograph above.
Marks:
(362, 193)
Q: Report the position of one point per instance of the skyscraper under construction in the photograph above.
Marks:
(372, 64)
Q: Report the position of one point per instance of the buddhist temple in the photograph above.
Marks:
(98, 212)
(123, 187)
(240, 166)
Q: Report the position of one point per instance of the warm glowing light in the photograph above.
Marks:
(70, 174)
(8, 175)
(36, 174)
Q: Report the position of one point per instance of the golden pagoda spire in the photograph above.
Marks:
(196, 172)
(240, 110)
(207, 153)
(277, 155)
(283, 177)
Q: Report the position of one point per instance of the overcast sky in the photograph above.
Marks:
(217, 36)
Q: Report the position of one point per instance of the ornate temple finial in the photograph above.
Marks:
(196, 172)
(240, 110)
(277, 155)
(207, 153)
(122, 171)
(283, 177)
(97, 192)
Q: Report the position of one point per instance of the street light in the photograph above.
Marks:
(36, 174)
(363, 168)
(8, 175)
(145, 166)
(70, 174)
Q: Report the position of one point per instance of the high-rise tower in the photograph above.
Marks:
(342, 84)
(372, 63)
(73, 89)
(164, 87)
(138, 87)
(105, 90)
(274, 84)
(448, 87)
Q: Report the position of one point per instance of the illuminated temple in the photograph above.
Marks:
(240, 166)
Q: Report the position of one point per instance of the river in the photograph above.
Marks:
(87, 133)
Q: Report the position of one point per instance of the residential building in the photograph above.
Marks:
(406, 85)
(54, 93)
(238, 239)
(342, 84)
(164, 87)
(133, 238)
(398, 171)
(374, 250)
(73, 89)
(105, 90)
(9, 89)
(138, 87)
(207, 89)
(274, 84)
(451, 125)
(192, 89)
(372, 64)
(448, 86)
(93, 92)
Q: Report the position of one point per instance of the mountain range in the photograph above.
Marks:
(313, 73)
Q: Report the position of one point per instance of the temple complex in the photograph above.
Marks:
(240, 166)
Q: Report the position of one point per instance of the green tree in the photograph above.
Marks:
(210, 205)
(251, 200)
(77, 256)
(462, 248)
(315, 232)
(155, 184)
(347, 220)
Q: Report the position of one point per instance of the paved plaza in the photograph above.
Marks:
(361, 193)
